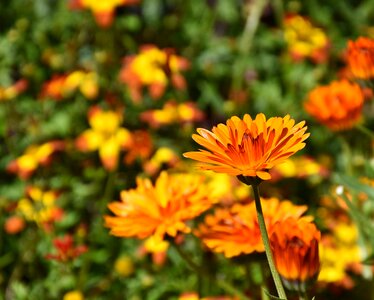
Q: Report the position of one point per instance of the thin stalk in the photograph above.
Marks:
(221, 283)
(265, 239)
(365, 130)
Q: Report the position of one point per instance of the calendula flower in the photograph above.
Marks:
(34, 156)
(337, 105)
(235, 231)
(105, 135)
(304, 40)
(360, 58)
(153, 68)
(140, 146)
(103, 10)
(249, 147)
(294, 243)
(160, 209)
(163, 156)
(65, 249)
(39, 205)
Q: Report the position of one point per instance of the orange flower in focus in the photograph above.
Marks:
(234, 231)
(140, 146)
(65, 249)
(337, 105)
(153, 68)
(360, 58)
(304, 40)
(105, 135)
(294, 243)
(249, 147)
(35, 155)
(160, 209)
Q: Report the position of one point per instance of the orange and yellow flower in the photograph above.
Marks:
(249, 147)
(139, 146)
(337, 105)
(360, 58)
(294, 243)
(160, 209)
(35, 155)
(105, 135)
(304, 40)
(154, 68)
(12, 91)
(163, 156)
(235, 231)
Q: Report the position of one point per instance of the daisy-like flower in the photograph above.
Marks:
(160, 209)
(337, 105)
(248, 147)
(235, 231)
(360, 58)
(295, 247)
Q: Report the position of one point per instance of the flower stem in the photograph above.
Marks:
(220, 282)
(365, 130)
(265, 239)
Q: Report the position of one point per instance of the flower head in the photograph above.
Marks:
(295, 248)
(304, 40)
(160, 209)
(360, 58)
(337, 105)
(249, 147)
(235, 231)
(66, 249)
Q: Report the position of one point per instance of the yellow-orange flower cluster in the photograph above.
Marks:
(172, 113)
(337, 105)
(234, 231)
(249, 147)
(294, 243)
(360, 58)
(11, 92)
(153, 68)
(163, 156)
(105, 135)
(304, 40)
(160, 209)
(103, 10)
(61, 86)
(35, 155)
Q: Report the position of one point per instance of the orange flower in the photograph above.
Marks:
(249, 147)
(140, 146)
(160, 209)
(337, 105)
(14, 225)
(65, 249)
(234, 231)
(360, 58)
(11, 92)
(294, 243)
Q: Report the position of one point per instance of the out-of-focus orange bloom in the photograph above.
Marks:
(337, 105)
(105, 135)
(304, 40)
(65, 249)
(172, 113)
(234, 231)
(163, 156)
(35, 155)
(140, 146)
(102, 10)
(39, 206)
(14, 225)
(160, 209)
(247, 147)
(124, 266)
(294, 243)
(61, 86)
(11, 92)
(153, 68)
(360, 58)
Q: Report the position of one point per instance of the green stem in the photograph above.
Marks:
(265, 239)
(365, 130)
(221, 283)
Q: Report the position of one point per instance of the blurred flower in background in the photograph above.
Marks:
(360, 58)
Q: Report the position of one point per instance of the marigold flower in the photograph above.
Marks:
(35, 155)
(294, 243)
(160, 209)
(304, 40)
(66, 249)
(105, 135)
(234, 231)
(249, 147)
(152, 67)
(140, 146)
(337, 105)
(360, 58)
